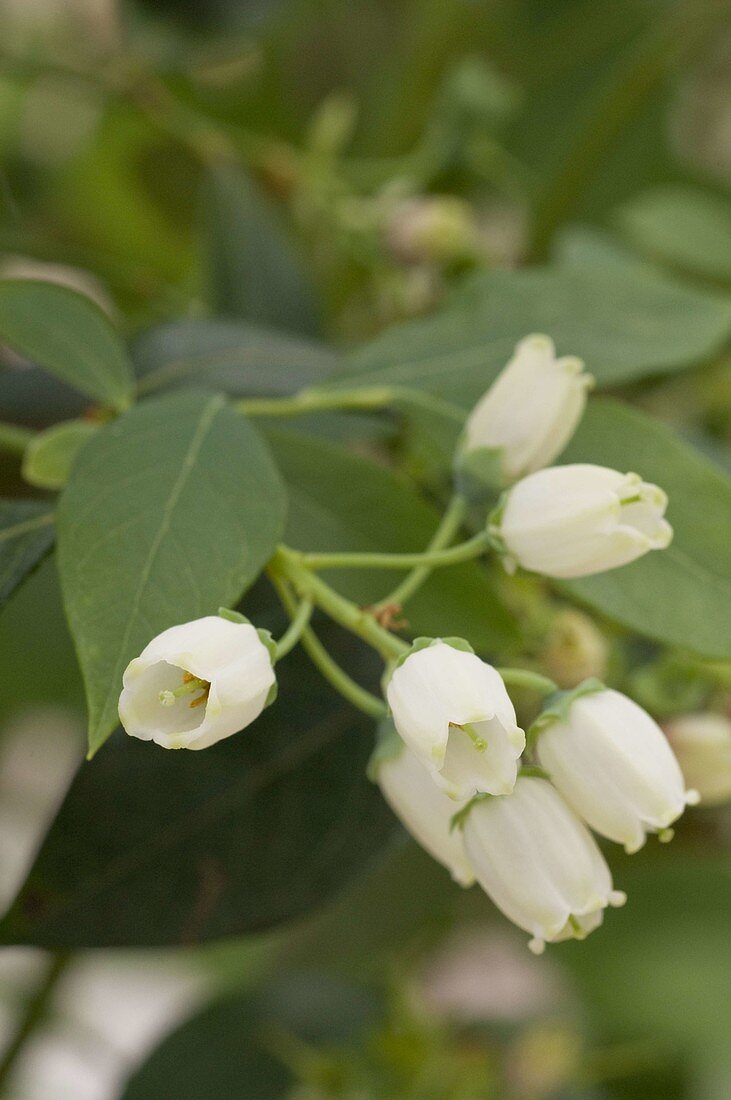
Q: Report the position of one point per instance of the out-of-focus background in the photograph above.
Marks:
(403, 143)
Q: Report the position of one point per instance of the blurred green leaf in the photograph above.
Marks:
(171, 511)
(68, 335)
(229, 1048)
(623, 318)
(681, 226)
(234, 356)
(50, 455)
(682, 595)
(340, 501)
(169, 848)
(256, 274)
(26, 536)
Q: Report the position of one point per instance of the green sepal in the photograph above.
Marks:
(265, 637)
(273, 692)
(458, 819)
(532, 771)
(233, 616)
(424, 643)
(388, 746)
(558, 706)
(478, 473)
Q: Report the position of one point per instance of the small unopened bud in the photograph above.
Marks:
(702, 744)
(437, 229)
(575, 649)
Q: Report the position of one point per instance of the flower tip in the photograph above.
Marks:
(617, 898)
(537, 945)
(664, 535)
(666, 835)
(692, 797)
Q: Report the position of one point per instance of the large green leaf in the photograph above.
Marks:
(623, 318)
(682, 226)
(26, 535)
(682, 595)
(68, 335)
(170, 512)
(157, 847)
(222, 1051)
(234, 356)
(255, 272)
(340, 501)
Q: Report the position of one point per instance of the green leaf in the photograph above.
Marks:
(255, 273)
(681, 226)
(49, 457)
(240, 358)
(623, 318)
(340, 501)
(26, 535)
(170, 513)
(168, 848)
(222, 1051)
(682, 595)
(68, 335)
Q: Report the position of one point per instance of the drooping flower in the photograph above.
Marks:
(532, 408)
(425, 810)
(197, 683)
(453, 710)
(538, 862)
(613, 765)
(571, 521)
(702, 745)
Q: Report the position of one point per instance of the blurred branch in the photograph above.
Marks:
(633, 79)
(36, 1010)
(15, 439)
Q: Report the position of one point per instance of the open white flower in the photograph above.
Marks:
(453, 710)
(425, 810)
(539, 863)
(197, 683)
(571, 521)
(532, 408)
(614, 766)
(702, 745)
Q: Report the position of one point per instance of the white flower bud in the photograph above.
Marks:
(702, 745)
(571, 521)
(425, 810)
(614, 766)
(197, 683)
(532, 408)
(453, 710)
(539, 863)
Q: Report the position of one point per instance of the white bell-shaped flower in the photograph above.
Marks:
(613, 765)
(539, 863)
(532, 408)
(702, 745)
(454, 711)
(197, 683)
(571, 521)
(425, 810)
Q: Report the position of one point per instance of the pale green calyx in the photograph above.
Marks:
(558, 706)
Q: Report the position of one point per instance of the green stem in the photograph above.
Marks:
(290, 565)
(523, 677)
(331, 671)
(35, 1011)
(365, 398)
(15, 439)
(448, 527)
(433, 559)
(313, 401)
(300, 619)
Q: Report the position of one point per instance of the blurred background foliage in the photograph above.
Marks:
(253, 189)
